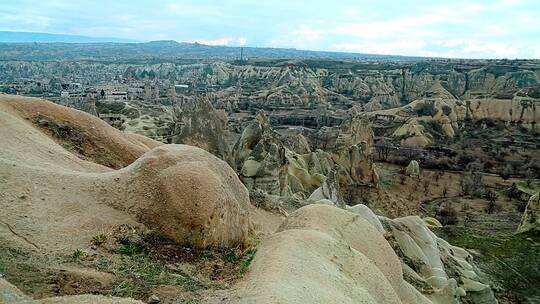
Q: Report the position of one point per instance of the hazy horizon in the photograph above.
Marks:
(462, 29)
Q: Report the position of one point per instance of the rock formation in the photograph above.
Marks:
(440, 271)
(530, 221)
(449, 115)
(267, 161)
(413, 169)
(258, 156)
(182, 192)
(349, 253)
(197, 123)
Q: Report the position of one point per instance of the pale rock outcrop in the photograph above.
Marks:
(530, 221)
(183, 193)
(412, 133)
(332, 249)
(197, 123)
(353, 153)
(259, 155)
(449, 113)
(413, 169)
(442, 272)
(367, 214)
(340, 257)
(329, 190)
(268, 161)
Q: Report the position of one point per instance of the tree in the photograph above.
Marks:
(529, 177)
(447, 214)
(491, 197)
(507, 171)
(472, 185)
(445, 191)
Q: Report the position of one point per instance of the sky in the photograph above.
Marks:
(456, 29)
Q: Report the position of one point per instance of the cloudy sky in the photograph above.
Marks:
(467, 29)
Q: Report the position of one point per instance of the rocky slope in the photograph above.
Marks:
(55, 202)
(145, 191)
(408, 123)
(285, 166)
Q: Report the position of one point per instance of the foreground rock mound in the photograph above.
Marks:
(54, 200)
(187, 194)
(323, 254)
(309, 262)
(81, 134)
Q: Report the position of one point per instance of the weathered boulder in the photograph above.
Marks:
(183, 193)
(186, 194)
(413, 169)
(530, 221)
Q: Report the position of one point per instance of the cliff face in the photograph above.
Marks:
(448, 116)
(379, 88)
(285, 166)
(299, 84)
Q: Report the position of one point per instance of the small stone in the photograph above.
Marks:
(153, 299)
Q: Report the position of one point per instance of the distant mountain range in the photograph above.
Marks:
(46, 46)
(7, 36)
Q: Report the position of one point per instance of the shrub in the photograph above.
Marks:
(131, 249)
(99, 239)
(472, 184)
(447, 215)
(76, 254)
(491, 197)
(426, 109)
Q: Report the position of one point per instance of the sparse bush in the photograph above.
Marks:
(521, 206)
(464, 159)
(445, 191)
(446, 110)
(472, 184)
(426, 109)
(529, 175)
(513, 192)
(131, 249)
(491, 197)
(99, 239)
(246, 260)
(402, 178)
(77, 254)
(447, 215)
